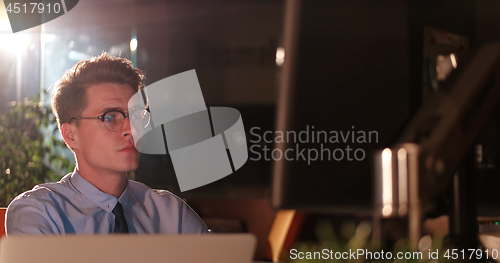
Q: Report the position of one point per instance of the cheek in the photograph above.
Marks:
(93, 142)
(95, 149)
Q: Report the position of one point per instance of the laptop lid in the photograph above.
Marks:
(223, 248)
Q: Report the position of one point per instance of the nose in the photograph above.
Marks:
(126, 129)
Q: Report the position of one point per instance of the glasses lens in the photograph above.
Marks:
(145, 119)
(113, 120)
(140, 118)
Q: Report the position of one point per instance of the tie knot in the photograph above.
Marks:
(118, 210)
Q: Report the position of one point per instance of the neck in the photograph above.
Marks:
(108, 182)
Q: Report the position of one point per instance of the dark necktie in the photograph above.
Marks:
(120, 222)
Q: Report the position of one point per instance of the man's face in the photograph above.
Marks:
(96, 147)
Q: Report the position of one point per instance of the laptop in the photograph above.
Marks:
(221, 248)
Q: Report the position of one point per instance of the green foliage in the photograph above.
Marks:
(30, 154)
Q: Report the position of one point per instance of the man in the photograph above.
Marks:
(90, 103)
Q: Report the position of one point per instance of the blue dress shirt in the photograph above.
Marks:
(74, 205)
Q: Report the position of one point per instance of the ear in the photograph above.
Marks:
(70, 135)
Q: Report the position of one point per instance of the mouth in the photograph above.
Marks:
(128, 148)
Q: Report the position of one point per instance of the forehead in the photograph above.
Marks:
(107, 95)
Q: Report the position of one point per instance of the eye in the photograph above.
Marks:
(108, 117)
(112, 116)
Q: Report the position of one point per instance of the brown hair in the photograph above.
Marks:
(69, 97)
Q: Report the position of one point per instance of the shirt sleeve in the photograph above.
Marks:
(175, 215)
(29, 216)
(191, 222)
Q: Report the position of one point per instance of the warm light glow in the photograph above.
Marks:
(280, 56)
(425, 243)
(387, 181)
(453, 60)
(444, 66)
(133, 44)
(387, 210)
(14, 43)
(277, 235)
(4, 21)
(403, 181)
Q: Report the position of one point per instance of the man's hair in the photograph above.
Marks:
(69, 97)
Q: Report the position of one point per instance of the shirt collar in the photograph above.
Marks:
(103, 200)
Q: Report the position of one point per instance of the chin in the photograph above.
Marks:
(133, 166)
(130, 166)
(132, 162)
(127, 166)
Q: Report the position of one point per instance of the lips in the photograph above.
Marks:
(128, 148)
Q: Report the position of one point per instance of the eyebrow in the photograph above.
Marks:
(116, 108)
(112, 108)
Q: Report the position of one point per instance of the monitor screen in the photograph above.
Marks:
(344, 93)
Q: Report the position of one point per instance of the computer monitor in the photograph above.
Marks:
(347, 72)
(344, 93)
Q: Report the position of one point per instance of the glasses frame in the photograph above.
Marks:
(101, 117)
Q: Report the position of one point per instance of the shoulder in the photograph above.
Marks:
(42, 197)
(34, 211)
(47, 192)
(33, 201)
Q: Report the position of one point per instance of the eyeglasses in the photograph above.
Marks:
(113, 119)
